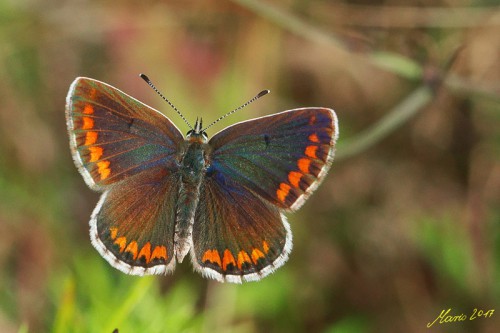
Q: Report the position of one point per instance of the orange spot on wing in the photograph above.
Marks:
(159, 252)
(311, 151)
(256, 255)
(132, 248)
(227, 259)
(294, 178)
(95, 153)
(121, 242)
(113, 231)
(212, 256)
(312, 120)
(145, 252)
(243, 257)
(103, 169)
(304, 164)
(88, 123)
(90, 138)
(282, 192)
(265, 246)
(313, 138)
(88, 109)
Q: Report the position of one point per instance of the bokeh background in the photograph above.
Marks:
(405, 225)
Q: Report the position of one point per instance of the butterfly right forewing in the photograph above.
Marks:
(114, 136)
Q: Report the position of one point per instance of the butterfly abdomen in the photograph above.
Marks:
(191, 173)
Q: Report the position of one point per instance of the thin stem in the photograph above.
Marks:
(402, 67)
(399, 115)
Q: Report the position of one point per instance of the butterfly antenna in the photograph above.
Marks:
(148, 81)
(259, 95)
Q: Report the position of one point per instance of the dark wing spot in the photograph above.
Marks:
(130, 123)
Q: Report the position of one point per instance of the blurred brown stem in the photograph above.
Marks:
(299, 27)
(291, 23)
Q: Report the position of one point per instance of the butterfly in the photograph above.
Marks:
(220, 200)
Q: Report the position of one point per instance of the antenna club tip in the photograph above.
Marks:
(144, 77)
(263, 92)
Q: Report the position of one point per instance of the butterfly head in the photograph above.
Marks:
(197, 133)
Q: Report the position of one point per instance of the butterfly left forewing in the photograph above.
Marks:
(282, 157)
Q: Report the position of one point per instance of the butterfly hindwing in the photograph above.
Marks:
(132, 226)
(282, 157)
(237, 237)
(114, 136)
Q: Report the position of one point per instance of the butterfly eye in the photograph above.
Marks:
(191, 133)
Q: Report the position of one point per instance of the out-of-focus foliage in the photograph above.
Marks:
(405, 225)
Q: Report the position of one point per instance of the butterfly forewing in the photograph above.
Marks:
(281, 157)
(114, 136)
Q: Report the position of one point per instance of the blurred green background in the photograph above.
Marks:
(405, 225)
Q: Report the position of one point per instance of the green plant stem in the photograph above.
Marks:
(66, 308)
(138, 291)
(399, 115)
(290, 22)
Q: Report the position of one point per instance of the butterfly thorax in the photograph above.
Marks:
(192, 169)
(193, 162)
